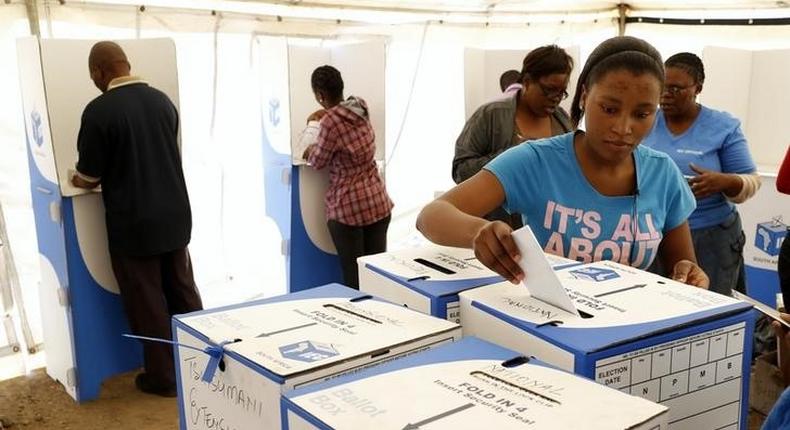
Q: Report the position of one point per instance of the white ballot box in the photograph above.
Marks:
(684, 347)
(429, 278)
(272, 345)
(469, 384)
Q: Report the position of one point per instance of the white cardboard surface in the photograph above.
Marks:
(475, 394)
(290, 343)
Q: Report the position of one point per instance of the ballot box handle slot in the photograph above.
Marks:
(434, 266)
(553, 323)
(515, 361)
(379, 353)
(361, 298)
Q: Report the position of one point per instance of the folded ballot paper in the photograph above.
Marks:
(541, 280)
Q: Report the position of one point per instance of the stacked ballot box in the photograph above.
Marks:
(469, 384)
(683, 347)
(233, 363)
(429, 278)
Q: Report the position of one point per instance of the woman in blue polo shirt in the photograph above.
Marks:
(711, 151)
(588, 195)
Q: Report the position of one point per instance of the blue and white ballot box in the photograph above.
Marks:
(82, 314)
(273, 345)
(684, 347)
(470, 384)
(428, 278)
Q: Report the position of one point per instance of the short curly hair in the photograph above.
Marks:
(327, 80)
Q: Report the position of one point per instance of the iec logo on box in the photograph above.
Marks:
(595, 274)
(770, 235)
(308, 351)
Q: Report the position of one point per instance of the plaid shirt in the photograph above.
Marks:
(356, 194)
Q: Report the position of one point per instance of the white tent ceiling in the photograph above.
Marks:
(534, 6)
(469, 11)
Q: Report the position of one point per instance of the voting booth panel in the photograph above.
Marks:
(745, 83)
(83, 318)
(303, 338)
(681, 346)
(483, 67)
(288, 100)
(765, 219)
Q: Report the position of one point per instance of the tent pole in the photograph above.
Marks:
(622, 8)
(32, 17)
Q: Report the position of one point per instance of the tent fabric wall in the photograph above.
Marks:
(235, 247)
(15, 183)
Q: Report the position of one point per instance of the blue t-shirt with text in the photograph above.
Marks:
(715, 142)
(544, 182)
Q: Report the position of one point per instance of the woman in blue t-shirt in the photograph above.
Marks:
(710, 149)
(590, 195)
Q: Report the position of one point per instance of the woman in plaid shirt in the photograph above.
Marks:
(357, 205)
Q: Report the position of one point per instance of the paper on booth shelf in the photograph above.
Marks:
(540, 279)
(308, 137)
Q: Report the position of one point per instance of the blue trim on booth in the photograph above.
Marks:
(310, 266)
(100, 349)
(762, 285)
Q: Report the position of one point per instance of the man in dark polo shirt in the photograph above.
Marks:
(128, 145)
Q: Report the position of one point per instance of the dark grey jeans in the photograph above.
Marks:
(719, 252)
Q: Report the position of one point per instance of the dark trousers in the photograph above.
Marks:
(353, 242)
(153, 289)
(719, 252)
(784, 270)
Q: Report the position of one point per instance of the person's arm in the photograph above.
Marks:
(83, 181)
(320, 153)
(454, 219)
(783, 178)
(473, 148)
(91, 144)
(316, 116)
(737, 179)
(677, 251)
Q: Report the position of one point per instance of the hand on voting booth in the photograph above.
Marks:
(308, 137)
